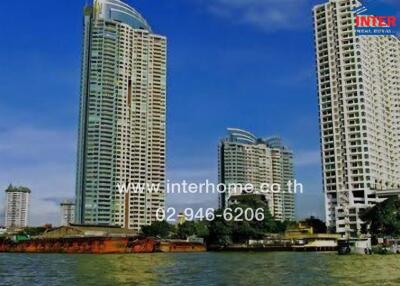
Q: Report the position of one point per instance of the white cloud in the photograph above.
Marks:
(269, 15)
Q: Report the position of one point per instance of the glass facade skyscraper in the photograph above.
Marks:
(122, 117)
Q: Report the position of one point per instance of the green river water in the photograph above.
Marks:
(276, 268)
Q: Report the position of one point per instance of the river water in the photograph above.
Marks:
(276, 268)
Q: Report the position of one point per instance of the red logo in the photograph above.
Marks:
(375, 21)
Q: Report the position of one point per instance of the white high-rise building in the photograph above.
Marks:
(359, 100)
(122, 117)
(246, 160)
(17, 207)
(67, 211)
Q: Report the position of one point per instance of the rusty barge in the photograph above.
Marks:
(98, 245)
(94, 240)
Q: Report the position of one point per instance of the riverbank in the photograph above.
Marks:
(290, 248)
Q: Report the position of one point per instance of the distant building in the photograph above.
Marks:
(67, 209)
(181, 218)
(282, 173)
(245, 159)
(17, 207)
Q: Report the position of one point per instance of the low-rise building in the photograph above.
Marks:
(76, 230)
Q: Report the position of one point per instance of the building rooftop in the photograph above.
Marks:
(76, 230)
(241, 136)
(236, 135)
(117, 10)
(13, 189)
(67, 203)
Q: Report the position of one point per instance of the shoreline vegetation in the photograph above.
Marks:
(382, 226)
(223, 233)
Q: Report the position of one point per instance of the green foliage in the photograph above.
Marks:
(201, 228)
(222, 232)
(318, 225)
(379, 249)
(192, 228)
(383, 219)
(281, 227)
(165, 230)
(161, 229)
(33, 231)
(188, 228)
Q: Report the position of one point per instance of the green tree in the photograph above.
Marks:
(282, 226)
(318, 225)
(160, 229)
(383, 219)
(186, 229)
(222, 232)
(202, 229)
(33, 231)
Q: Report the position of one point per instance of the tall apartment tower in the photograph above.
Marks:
(245, 159)
(122, 125)
(17, 207)
(282, 173)
(67, 210)
(359, 103)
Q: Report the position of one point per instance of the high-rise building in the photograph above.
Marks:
(67, 211)
(359, 103)
(247, 160)
(282, 173)
(17, 207)
(122, 124)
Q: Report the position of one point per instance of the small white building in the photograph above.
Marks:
(67, 208)
(17, 207)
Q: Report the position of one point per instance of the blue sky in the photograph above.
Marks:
(232, 63)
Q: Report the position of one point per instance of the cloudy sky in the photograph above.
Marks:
(232, 63)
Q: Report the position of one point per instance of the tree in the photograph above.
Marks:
(222, 232)
(383, 219)
(160, 229)
(318, 225)
(282, 226)
(186, 229)
(34, 231)
(201, 229)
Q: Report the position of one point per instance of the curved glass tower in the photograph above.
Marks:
(122, 117)
(245, 159)
(116, 10)
(241, 136)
